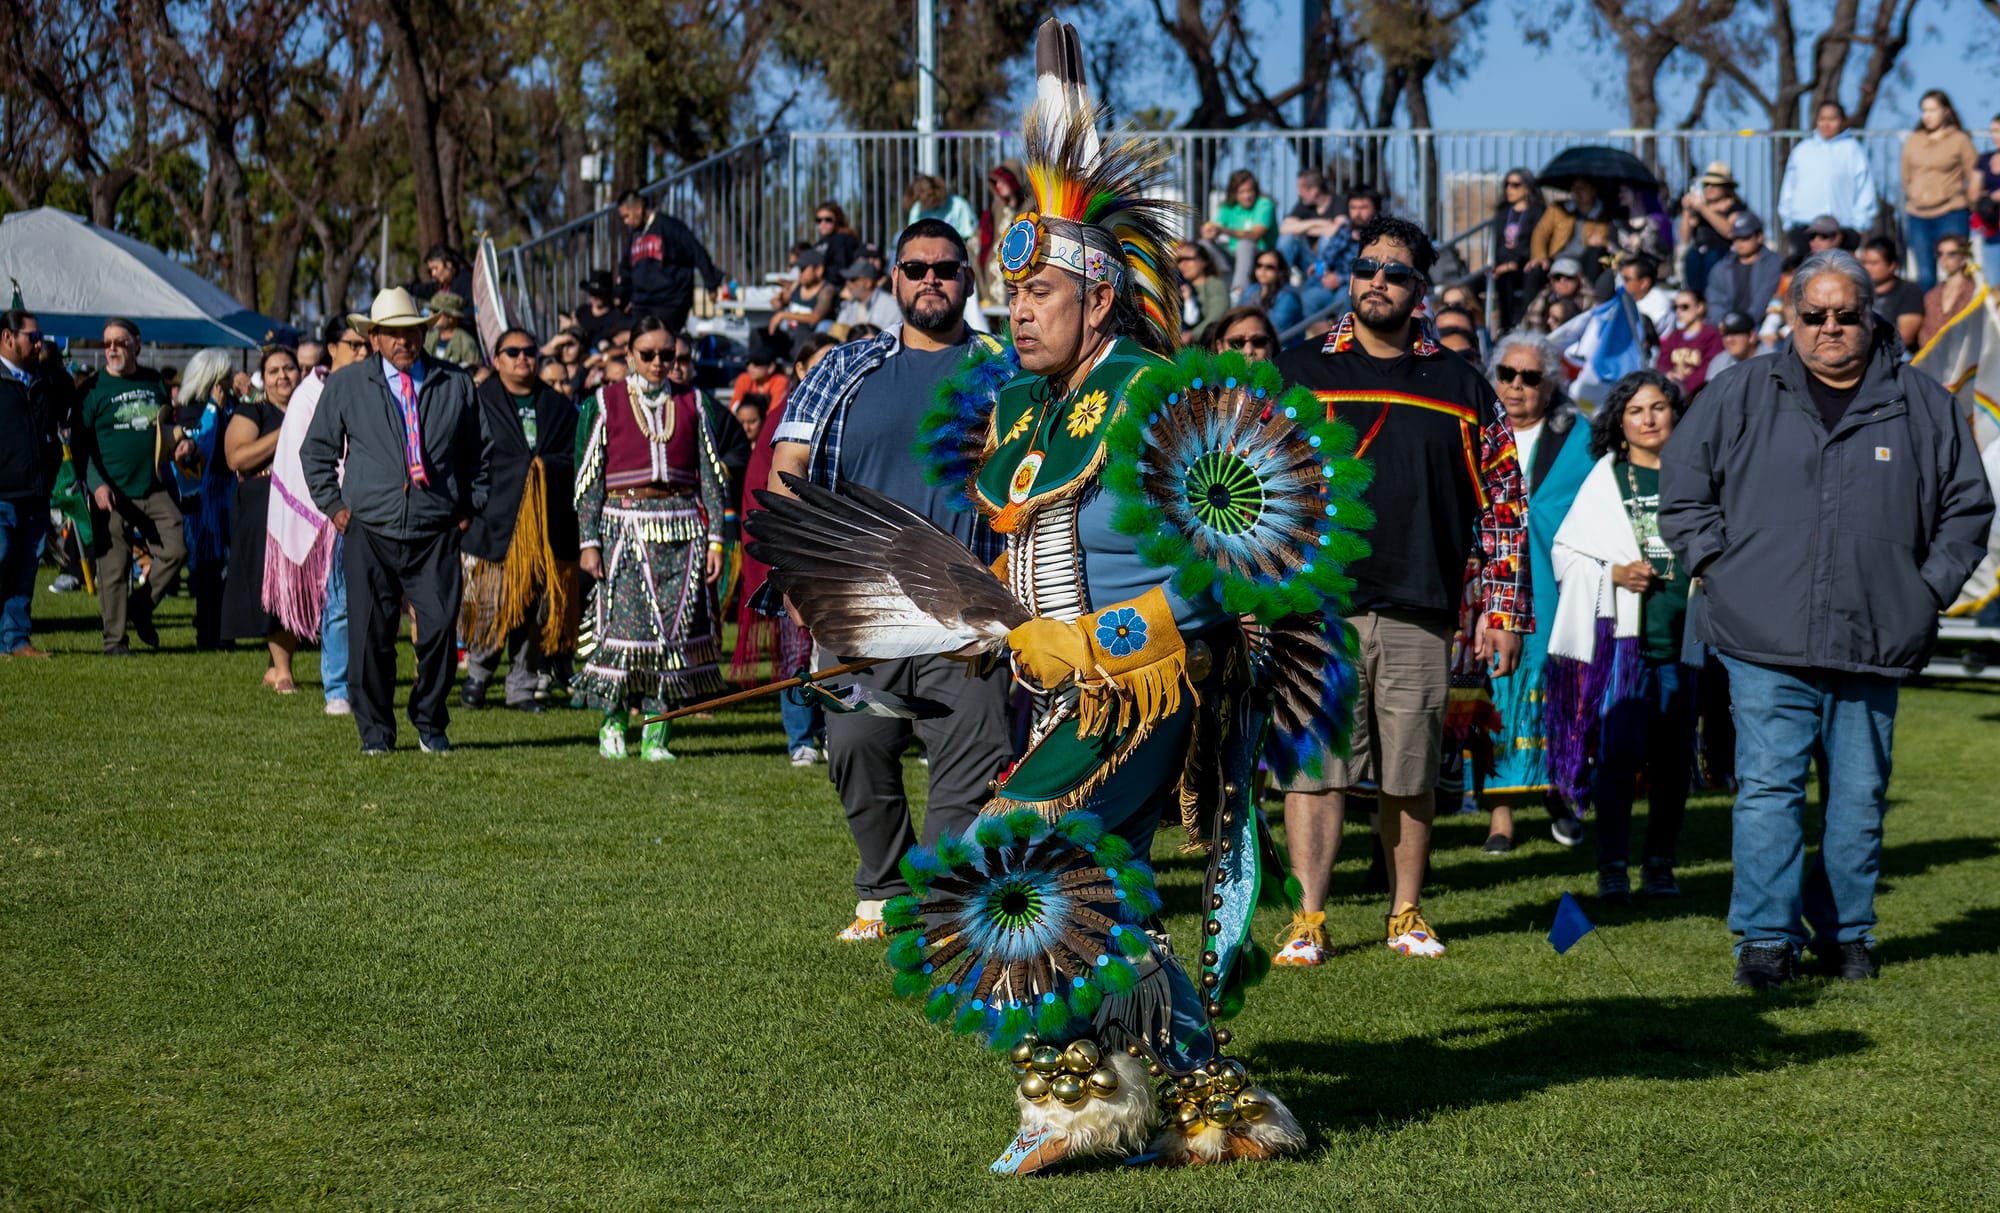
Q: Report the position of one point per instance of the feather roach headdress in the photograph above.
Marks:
(1079, 182)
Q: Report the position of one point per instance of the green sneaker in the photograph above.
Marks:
(653, 744)
(611, 739)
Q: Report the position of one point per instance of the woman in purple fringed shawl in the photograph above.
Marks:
(1620, 703)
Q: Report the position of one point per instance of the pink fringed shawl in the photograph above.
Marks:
(298, 541)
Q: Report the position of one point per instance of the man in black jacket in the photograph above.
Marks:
(416, 474)
(1832, 503)
(657, 272)
(520, 553)
(30, 455)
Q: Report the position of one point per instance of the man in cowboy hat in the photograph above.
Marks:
(416, 471)
(1706, 213)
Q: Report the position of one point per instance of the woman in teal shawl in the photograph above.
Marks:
(1555, 458)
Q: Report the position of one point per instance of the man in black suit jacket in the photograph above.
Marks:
(416, 473)
(521, 588)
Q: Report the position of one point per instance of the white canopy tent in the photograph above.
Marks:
(73, 274)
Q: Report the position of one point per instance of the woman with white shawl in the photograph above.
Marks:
(1620, 703)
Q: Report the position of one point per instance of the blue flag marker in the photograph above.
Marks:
(1570, 924)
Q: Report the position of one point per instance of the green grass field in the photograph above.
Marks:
(242, 967)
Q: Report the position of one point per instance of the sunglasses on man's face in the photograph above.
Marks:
(1507, 374)
(517, 351)
(917, 271)
(1848, 317)
(1397, 273)
(1253, 341)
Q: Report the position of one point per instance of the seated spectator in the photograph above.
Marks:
(447, 339)
(836, 240)
(1642, 228)
(762, 382)
(1747, 280)
(1247, 331)
(1245, 225)
(1006, 186)
(1515, 218)
(1308, 225)
(807, 352)
(1273, 291)
(1706, 213)
(861, 332)
(1778, 318)
(1739, 343)
(928, 197)
(600, 312)
(1562, 311)
(863, 303)
(808, 303)
(1899, 304)
(1326, 286)
(1458, 332)
(1565, 285)
(1824, 233)
(1956, 285)
(1691, 345)
(1640, 275)
(1204, 295)
(1577, 228)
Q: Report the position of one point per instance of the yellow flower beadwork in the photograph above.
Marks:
(1087, 413)
(1019, 427)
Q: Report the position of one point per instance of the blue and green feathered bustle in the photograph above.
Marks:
(1021, 926)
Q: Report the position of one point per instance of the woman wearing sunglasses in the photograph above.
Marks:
(649, 522)
(1691, 345)
(1271, 289)
(1552, 448)
(1247, 331)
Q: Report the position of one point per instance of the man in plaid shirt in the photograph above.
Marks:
(1447, 488)
(854, 419)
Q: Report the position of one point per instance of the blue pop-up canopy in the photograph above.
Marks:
(73, 275)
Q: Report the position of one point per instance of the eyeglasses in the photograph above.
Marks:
(1269, 265)
(517, 351)
(1255, 341)
(1507, 374)
(1396, 272)
(119, 343)
(823, 218)
(1686, 307)
(1847, 316)
(917, 271)
(1562, 277)
(353, 343)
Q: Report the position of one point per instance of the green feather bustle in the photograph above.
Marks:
(1117, 976)
(901, 911)
(1052, 1018)
(906, 953)
(910, 984)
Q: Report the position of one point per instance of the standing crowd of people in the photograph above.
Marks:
(1565, 608)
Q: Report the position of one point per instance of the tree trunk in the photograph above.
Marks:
(420, 124)
(284, 275)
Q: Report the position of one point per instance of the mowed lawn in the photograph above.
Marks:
(243, 967)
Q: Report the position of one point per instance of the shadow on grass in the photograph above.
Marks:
(1524, 1047)
(1973, 932)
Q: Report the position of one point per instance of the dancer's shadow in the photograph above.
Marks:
(1497, 1054)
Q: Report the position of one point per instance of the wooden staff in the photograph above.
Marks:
(769, 688)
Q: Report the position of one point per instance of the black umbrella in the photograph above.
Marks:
(1606, 164)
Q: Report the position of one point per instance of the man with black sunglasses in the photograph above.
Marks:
(1831, 500)
(520, 584)
(852, 420)
(1447, 490)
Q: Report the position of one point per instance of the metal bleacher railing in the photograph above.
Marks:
(749, 204)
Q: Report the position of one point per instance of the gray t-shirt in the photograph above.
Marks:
(881, 427)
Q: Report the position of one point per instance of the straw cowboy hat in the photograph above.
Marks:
(392, 309)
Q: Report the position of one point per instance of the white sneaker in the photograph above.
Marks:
(338, 707)
(804, 756)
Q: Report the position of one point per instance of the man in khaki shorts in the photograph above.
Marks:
(1447, 488)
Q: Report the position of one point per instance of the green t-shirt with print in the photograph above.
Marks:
(1261, 213)
(121, 415)
(524, 408)
(1663, 610)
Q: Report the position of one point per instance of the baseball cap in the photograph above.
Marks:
(1746, 223)
(1568, 267)
(862, 268)
(1738, 323)
(1825, 225)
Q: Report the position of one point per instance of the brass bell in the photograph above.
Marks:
(1023, 1053)
(1230, 789)
(1081, 1057)
(1229, 1075)
(1252, 1104)
(1219, 1110)
(1223, 1036)
(1187, 1082)
(1188, 1117)
(1103, 1081)
(1046, 1059)
(1210, 959)
(1066, 1087)
(1034, 1087)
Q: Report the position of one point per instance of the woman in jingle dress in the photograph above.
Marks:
(649, 515)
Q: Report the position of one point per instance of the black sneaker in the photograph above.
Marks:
(1614, 884)
(1566, 830)
(472, 695)
(1850, 961)
(142, 622)
(1762, 966)
(532, 707)
(121, 649)
(1658, 879)
(1498, 844)
(437, 743)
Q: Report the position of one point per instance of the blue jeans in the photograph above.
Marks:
(1922, 235)
(1653, 731)
(23, 523)
(804, 722)
(333, 627)
(1783, 718)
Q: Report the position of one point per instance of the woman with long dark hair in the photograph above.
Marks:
(1514, 218)
(249, 444)
(1941, 179)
